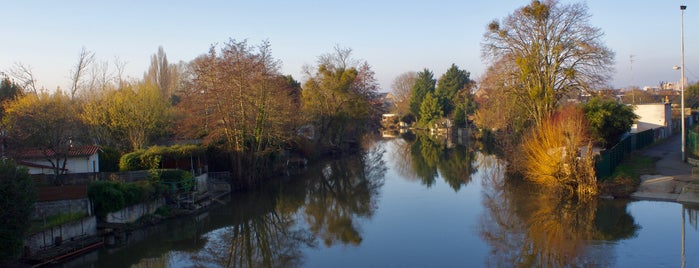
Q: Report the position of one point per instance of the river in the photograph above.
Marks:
(412, 203)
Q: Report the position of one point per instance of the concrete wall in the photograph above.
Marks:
(50, 208)
(655, 115)
(202, 182)
(54, 236)
(135, 212)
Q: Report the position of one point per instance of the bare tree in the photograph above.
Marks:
(555, 52)
(85, 58)
(160, 73)
(24, 76)
(119, 66)
(401, 88)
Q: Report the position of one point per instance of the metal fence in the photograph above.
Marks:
(608, 160)
(692, 139)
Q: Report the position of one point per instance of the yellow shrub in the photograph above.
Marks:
(557, 154)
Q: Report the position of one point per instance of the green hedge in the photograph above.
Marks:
(110, 196)
(151, 158)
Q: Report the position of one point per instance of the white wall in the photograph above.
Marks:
(652, 116)
(82, 164)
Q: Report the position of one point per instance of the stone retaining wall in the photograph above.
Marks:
(56, 235)
(135, 212)
(50, 208)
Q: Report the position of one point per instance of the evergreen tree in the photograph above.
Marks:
(449, 86)
(430, 111)
(424, 83)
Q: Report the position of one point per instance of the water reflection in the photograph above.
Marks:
(276, 224)
(342, 191)
(424, 158)
(527, 227)
(264, 237)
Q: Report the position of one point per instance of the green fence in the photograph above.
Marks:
(611, 158)
(692, 138)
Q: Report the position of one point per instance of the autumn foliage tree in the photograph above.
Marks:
(240, 102)
(46, 122)
(131, 116)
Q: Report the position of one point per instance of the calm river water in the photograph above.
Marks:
(413, 203)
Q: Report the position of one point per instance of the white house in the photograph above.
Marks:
(81, 159)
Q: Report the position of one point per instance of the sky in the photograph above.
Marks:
(393, 36)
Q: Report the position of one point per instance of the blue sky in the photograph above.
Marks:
(393, 36)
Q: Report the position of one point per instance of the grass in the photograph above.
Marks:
(55, 220)
(627, 176)
(634, 166)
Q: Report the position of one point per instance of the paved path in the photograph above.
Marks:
(674, 180)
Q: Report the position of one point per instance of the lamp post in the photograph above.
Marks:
(682, 8)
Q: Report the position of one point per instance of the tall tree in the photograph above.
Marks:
(130, 117)
(401, 88)
(450, 84)
(85, 58)
(25, 76)
(162, 74)
(239, 100)
(555, 52)
(340, 97)
(424, 83)
(46, 122)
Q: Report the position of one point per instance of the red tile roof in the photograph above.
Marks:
(77, 151)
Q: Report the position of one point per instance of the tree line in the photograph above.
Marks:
(233, 99)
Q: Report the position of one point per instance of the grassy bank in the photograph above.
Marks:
(627, 176)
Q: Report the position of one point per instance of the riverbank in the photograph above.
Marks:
(674, 181)
(96, 233)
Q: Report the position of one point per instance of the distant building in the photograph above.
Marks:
(81, 159)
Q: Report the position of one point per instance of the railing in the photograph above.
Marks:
(610, 159)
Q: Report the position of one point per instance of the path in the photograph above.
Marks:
(674, 181)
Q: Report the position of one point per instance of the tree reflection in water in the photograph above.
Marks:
(269, 229)
(341, 191)
(527, 227)
(424, 157)
(261, 236)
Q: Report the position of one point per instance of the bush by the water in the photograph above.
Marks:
(558, 154)
(177, 180)
(111, 196)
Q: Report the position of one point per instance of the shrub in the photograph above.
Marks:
(17, 197)
(130, 161)
(151, 158)
(552, 158)
(109, 196)
(179, 179)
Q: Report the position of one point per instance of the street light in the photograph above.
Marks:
(682, 8)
